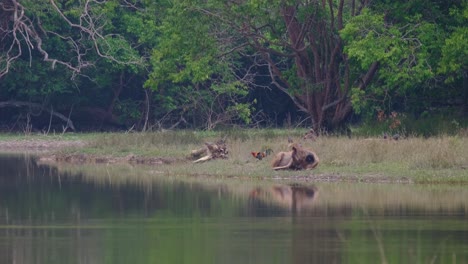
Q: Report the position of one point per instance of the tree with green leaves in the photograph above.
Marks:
(51, 50)
(192, 81)
(298, 44)
(407, 40)
(336, 57)
(200, 64)
(454, 61)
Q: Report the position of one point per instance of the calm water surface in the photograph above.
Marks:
(110, 214)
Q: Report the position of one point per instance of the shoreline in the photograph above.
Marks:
(38, 145)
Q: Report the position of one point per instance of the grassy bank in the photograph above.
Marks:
(442, 159)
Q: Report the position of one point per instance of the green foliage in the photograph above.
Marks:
(183, 53)
(401, 51)
(189, 75)
(366, 39)
(410, 44)
(190, 55)
(35, 82)
(128, 111)
(455, 49)
(358, 100)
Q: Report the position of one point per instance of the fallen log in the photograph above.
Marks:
(211, 151)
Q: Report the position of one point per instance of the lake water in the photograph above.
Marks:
(123, 214)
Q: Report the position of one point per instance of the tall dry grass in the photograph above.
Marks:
(435, 153)
(179, 143)
(415, 152)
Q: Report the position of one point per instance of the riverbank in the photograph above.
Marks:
(407, 160)
(38, 145)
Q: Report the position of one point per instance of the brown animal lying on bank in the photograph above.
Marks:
(296, 159)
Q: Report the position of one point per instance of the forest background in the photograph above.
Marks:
(376, 66)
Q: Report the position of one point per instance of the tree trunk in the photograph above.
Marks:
(117, 91)
(465, 97)
(318, 58)
(312, 47)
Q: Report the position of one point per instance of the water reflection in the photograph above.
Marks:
(124, 214)
(292, 198)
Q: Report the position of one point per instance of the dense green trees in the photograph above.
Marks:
(191, 78)
(66, 57)
(407, 40)
(137, 64)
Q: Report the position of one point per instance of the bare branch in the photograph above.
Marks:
(38, 106)
(275, 73)
(90, 25)
(18, 33)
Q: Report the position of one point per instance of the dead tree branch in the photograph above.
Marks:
(40, 107)
(18, 33)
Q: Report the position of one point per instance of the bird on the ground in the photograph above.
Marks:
(261, 154)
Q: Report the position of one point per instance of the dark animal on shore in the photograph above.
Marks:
(296, 159)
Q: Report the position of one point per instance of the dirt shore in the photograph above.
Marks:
(38, 145)
(100, 159)
(46, 150)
